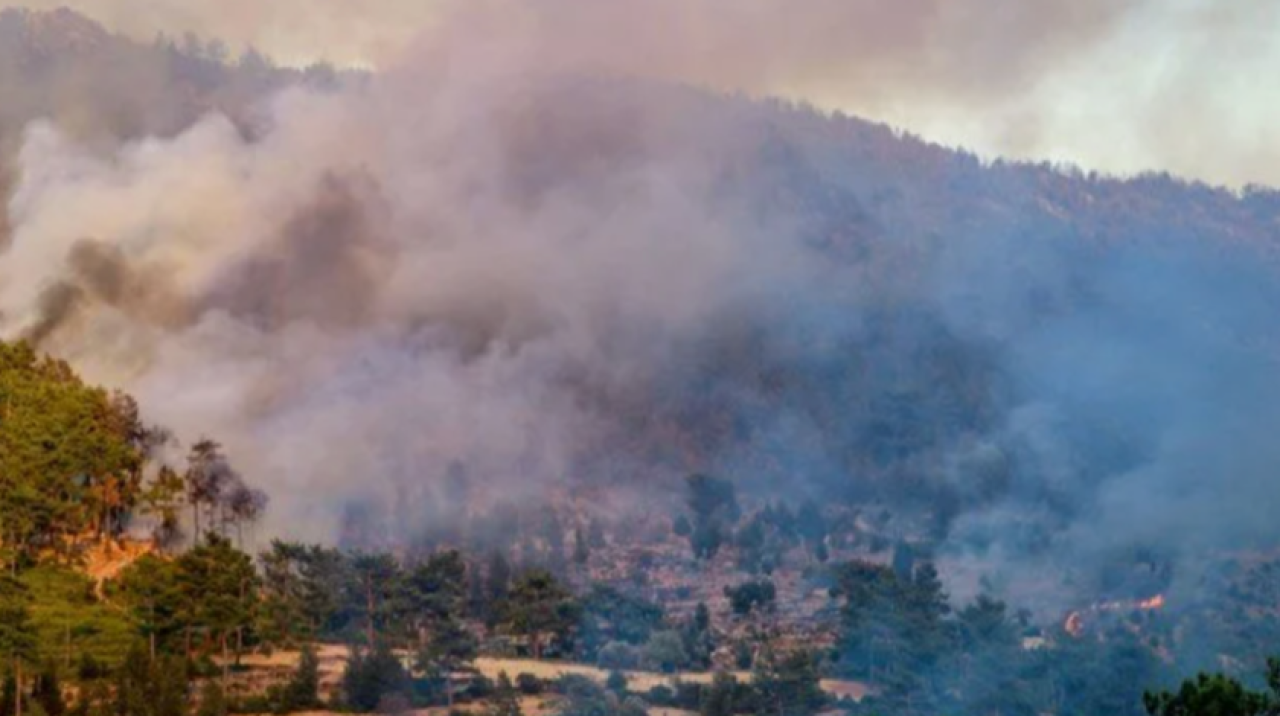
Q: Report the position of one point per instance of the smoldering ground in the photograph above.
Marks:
(512, 253)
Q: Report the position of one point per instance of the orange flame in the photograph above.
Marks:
(1156, 602)
(1074, 625)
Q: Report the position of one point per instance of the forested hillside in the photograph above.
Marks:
(71, 456)
(742, 406)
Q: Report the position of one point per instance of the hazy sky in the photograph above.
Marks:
(1114, 85)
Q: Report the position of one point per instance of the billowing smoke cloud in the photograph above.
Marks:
(1090, 82)
(441, 268)
(498, 253)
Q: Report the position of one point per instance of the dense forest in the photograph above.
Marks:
(78, 458)
(986, 441)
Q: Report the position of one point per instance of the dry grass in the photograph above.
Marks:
(639, 681)
(332, 660)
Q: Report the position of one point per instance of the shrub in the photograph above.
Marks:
(662, 695)
(371, 677)
(617, 682)
(665, 652)
(530, 685)
(480, 688)
(688, 696)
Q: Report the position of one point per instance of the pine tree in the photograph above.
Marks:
(682, 527)
(432, 594)
(718, 700)
(1217, 695)
(451, 647)
(372, 676)
(213, 700)
(497, 582)
(581, 551)
(217, 587)
(540, 605)
(302, 693)
(149, 589)
(163, 499)
(377, 580)
(9, 696)
(207, 477)
(789, 685)
(133, 680)
(17, 637)
(48, 691)
(506, 700)
(171, 686)
(283, 618)
(702, 618)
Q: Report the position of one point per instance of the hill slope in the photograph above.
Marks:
(551, 282)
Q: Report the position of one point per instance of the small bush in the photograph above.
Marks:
(665, 652)
(530, 685)
(743, 655)
(662, 695)
(569, 684)
(617, 682)
(480, 688)
(688, 696)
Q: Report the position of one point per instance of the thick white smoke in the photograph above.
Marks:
(444, 266)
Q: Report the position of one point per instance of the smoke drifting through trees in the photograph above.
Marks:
(552, 277)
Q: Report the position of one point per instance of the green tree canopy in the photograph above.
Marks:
(1218, 695)
(71, 455)
(538, 606)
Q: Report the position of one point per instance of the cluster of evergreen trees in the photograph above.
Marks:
(1218, 695)
(900, 633)
(71, 457)
(77, 465)
(761, 540)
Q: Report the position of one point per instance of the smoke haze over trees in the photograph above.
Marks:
(555, 279)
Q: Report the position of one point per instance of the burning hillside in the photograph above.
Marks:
(1075, 621)
(547, 279)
